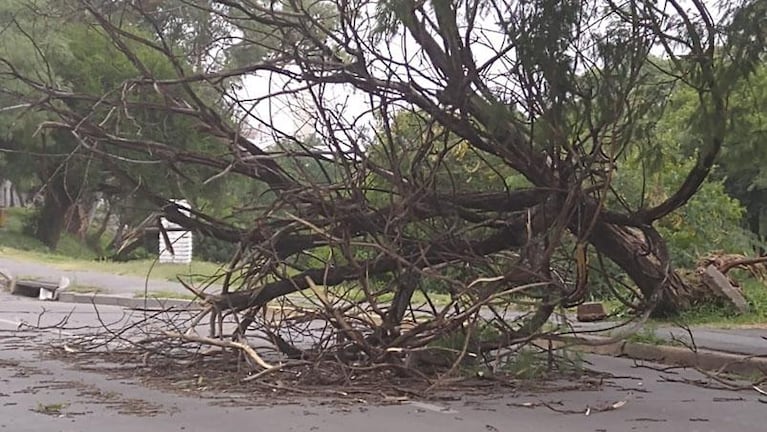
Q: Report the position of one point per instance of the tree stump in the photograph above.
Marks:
(7, 281)
(721, 287)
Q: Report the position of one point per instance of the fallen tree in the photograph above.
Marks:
(423, 116)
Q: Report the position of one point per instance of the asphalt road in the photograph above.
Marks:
(39, 394)
(749, 341)
(20, 313)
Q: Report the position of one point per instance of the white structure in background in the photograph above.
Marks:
(181, 241)
(9, 197)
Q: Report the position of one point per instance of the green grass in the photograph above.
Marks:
(13, 238)
(74, 255)
(196, 271)
(714, 315)
(162, 294)
(755, 292)
(84, 289)
(649, 335)
(54, 409)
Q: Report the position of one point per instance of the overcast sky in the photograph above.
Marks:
(296, 115)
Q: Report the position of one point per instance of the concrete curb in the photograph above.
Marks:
(705, 359)
(128, 302)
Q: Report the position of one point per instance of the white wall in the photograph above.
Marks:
(180, 241)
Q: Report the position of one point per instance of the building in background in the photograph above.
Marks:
(180, 250)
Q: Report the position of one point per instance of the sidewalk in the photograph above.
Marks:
(735, 341)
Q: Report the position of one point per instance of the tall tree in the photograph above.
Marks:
(84, 59)
(741, 164)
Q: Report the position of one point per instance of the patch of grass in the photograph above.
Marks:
(197, 271)
(648, 335)
(13, 238)
(616, 309)
(525, 364)
(439, 299)
(162, 294)
(54, 409)
(529, 363)
(724, 316)
(85, 289)
(714, 315)
(74, 255)
(12, 234)
(456, 340)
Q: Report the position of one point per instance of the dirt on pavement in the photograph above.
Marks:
(43, 394)
(40, 391)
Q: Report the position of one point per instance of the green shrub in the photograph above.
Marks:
(213, 250)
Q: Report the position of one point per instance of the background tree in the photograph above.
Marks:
(83, 59)
(741, 163)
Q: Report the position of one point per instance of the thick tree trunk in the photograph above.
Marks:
(643, 256)
(77, 222)
(117, 239)
(95, 239)
(406, 284)
(125, 249)
(52, 218)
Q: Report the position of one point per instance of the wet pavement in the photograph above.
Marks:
(46, 395)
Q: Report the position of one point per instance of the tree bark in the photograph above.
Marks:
(406, 284)
(95, 239)
(643, 256)
(77, 220)
(52, 218)
(117, 239)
